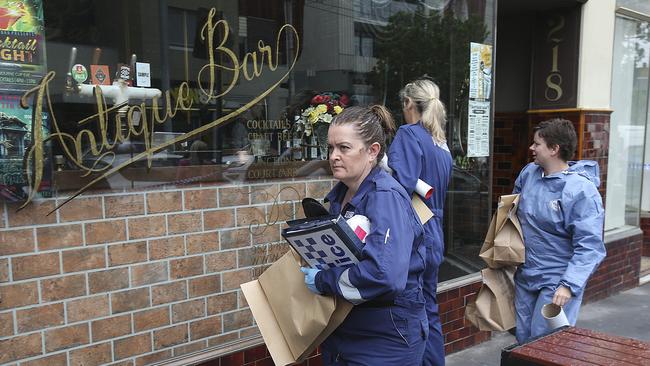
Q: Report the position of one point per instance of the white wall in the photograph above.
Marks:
(596, 46)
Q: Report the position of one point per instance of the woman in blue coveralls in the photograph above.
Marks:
(419, 151)
(388, 324)
(561, 215)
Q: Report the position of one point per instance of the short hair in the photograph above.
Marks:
(560, 132)
(373, 124)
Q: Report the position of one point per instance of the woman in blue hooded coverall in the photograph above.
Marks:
(419, 151)
(388, 324)
(561, 215)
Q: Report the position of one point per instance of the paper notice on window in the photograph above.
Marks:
(478, 129)
(480, 71)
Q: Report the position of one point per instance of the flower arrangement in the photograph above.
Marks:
(322, 109)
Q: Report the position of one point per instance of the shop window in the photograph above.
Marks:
(628, 122)
(240, 106)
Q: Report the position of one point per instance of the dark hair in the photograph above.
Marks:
(374, 124)
(560, 132)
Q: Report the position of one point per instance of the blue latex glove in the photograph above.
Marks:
(310, 279)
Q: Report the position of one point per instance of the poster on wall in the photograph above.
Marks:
(480, 89)
(478, 128)
(22, 45)
(480, 71)
(22, 65)
(15, 138)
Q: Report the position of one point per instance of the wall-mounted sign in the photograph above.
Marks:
(478, 109)
(555, 59)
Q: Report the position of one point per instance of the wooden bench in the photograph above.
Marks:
(577, 346)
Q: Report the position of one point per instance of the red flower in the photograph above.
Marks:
(344, 100)
(318, 99)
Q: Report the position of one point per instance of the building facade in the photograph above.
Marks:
(152, 151)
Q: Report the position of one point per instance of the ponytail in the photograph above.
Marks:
(373, 124)
(425, 94)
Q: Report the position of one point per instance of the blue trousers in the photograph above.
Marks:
(391, 335)
(434, 354)
(528, 305)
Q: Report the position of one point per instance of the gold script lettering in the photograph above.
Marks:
(73, 145)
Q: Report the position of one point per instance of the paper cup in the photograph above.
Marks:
(554, 315)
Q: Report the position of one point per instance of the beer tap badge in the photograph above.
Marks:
(79, 73)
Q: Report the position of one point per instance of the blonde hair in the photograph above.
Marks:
(373, 124)
(425, 94)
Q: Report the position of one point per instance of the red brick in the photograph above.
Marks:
(35, 213)
(127, 253)
(122, 206)
(218, 219)
(206, 285)
(39, 317)
(200, 199)
(130, 300)
(148, 273)
(153, 358)
(37, 265)
(267, 234)
(16, 295)
(237, 320)
(255, 354)
(147, 227)
(108, 280)
(292, 192)
(66, 337)
(190, 348)
(235, 238)
(87, 308)
(60, 236)
(4, 270)
(94, 355)
(166, 247)
(169, 292)
(251, 256)
(221, 261)
(265, 193)
(151, 318)
(185, 267)
(234, 196)
(188, 310)
(205, 327)
(160, 202)
(6, 324)
(87, 208)
(171, 336)
(59, 359)
(221, 303)
(201, 243)
(53, 289)
(105, 232)
(223, 339)
(83, 259)
(16, 241)
(16, 348)
(318, 189)
(132, 346)
(247, 216)
(111, 327)
(184, 223)
(232, 280)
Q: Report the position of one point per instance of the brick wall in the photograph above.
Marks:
(137, 277)
(619, 271)
(645, 226)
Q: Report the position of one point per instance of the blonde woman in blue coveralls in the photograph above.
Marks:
(419, 151)
(388, 325)
(561, 215)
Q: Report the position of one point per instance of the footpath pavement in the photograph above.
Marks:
(626, 314)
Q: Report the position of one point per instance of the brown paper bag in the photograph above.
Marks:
(293, 320)
(494, 306)
(504, 244)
